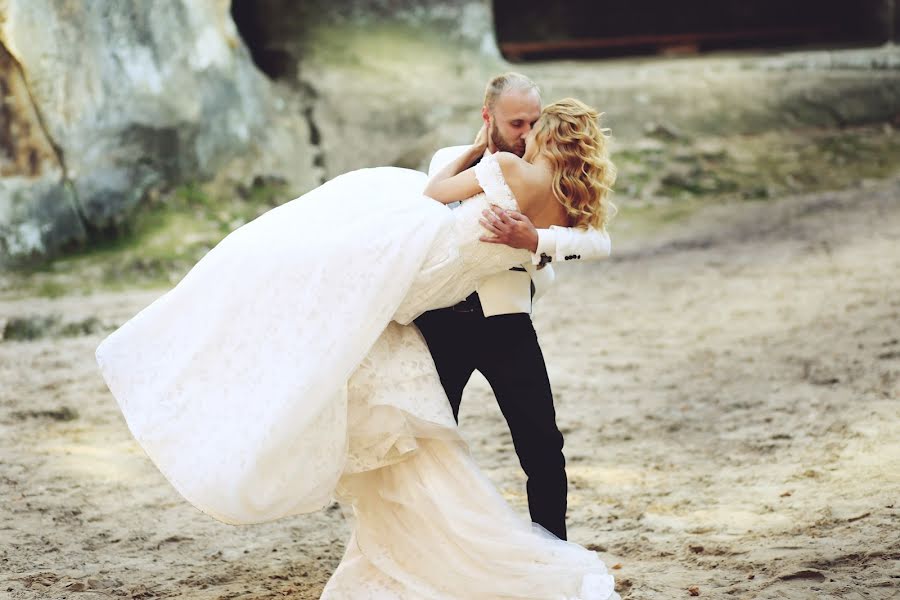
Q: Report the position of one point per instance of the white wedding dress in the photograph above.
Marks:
(281, 373)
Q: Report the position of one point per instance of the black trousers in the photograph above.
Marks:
(504, 348)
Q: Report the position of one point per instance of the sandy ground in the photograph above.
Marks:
(728, 388)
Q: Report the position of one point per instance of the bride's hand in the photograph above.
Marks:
(481, 140)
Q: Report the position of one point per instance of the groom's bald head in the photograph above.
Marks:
(512, 104)
(508, 82)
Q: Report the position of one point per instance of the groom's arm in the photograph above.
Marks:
(571, 243)
(546, 245)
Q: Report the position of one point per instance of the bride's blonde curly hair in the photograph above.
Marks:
(569, 134)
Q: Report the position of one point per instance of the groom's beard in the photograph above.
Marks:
(502, 145)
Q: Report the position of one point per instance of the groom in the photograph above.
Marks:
(491, 330)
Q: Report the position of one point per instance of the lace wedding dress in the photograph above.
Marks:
(281, 373)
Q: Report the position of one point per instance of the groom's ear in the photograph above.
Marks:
(485, 115)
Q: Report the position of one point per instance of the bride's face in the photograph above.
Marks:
(532, 145)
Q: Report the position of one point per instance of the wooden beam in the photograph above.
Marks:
(520, 49)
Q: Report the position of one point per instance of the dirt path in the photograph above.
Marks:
(729, 391)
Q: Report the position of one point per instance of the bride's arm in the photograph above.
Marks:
(456, 181)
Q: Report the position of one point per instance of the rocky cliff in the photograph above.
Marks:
(105, 100)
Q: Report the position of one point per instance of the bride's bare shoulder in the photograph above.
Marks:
(510, 163)
(526, 181)
(518, 171)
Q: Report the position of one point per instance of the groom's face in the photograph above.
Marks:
(511, 120)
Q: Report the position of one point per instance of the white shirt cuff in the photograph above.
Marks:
(546, 245)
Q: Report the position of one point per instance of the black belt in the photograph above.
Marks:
(472, 304)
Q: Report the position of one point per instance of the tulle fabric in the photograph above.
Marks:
(433, 527)
(427, 524)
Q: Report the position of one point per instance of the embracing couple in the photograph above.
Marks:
(311, 354)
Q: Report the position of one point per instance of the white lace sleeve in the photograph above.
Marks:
(490, 178)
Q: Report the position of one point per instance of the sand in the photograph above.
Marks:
(729, 389)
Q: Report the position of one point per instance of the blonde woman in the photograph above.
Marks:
(281, 372)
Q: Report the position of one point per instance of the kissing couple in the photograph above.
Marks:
(310, 356)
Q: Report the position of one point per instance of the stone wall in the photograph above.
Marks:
(382, 82)
(35, 200)
(110, 99)
(104, 101)
(382, 91)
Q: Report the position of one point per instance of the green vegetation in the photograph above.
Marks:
(661, 181)
(29, 328)
(163, 240)
(36, 327)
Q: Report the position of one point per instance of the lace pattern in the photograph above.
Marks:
(460, 259)
(490, 178)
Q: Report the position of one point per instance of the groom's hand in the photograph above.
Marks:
(509, 228)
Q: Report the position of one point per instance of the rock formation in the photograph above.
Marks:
(104, 100)
(383, 81)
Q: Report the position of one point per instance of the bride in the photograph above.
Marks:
(282, 373)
